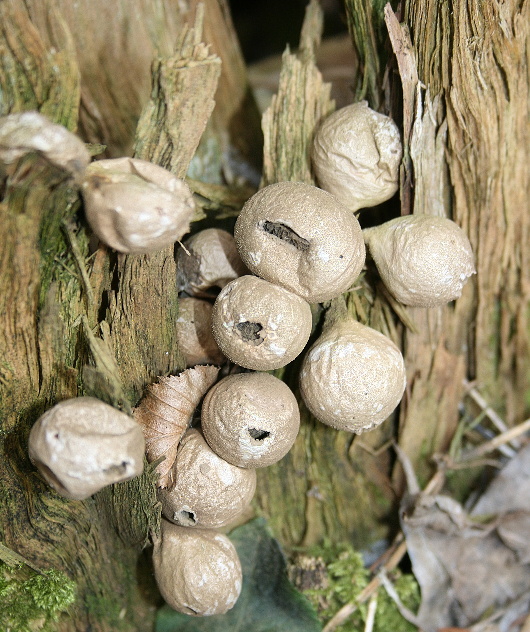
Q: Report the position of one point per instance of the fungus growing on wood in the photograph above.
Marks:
(82, 445)
(423, 260)
(356, 156)
(301, 238)
(250, 419)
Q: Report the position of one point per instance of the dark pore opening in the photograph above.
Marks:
(286, 234)
(185, 518)
(257, 434)
(250, 332)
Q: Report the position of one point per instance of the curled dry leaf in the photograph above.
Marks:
(166, 411)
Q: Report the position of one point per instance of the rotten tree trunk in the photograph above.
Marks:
(75, 323)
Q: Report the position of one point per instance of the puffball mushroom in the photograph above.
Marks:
(259, 325)
(301, 238)
(135, 206)
(250, 419)
(82, 445)
(207, 491)
(352, 377)
(356, 155)
(198, 571)
(25, 132)
(194, 333)
(209, 259)
(423, 260)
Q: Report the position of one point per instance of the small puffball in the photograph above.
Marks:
(259, 325)
(250, 419)
(207, 491)
(194, 333)
(356, 156)
(82, 445)
(198, 571)
(135, 206)
(209, 259)
(302, 238)
(352, 377)
(423, 260)
(26, 132)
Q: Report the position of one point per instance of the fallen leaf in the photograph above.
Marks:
(166, 412)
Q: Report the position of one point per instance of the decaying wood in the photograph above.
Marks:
(468, 146)
(172, 123)
(54, 345)
(303, 99)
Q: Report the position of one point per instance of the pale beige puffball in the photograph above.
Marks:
(356, 156)
(352, 377)
(82, 445)
(135, 206)
(198, 571)
(207, 491)
(194, 333)
(423, 260)
(208, 259)
(25, 132)
(250, 419)
(302, 238)
(259, 325)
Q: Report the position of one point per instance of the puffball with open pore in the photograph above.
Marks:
(135, 206)
(250, 419)
(259, 325)
(207, 491)
(198, 571)
(352, 377)
(82, 445)
(356, 156)
(301, 238)
(423, 260)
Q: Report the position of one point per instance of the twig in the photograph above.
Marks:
(370, 613)
(497, 421)
(407, 614)
(347, 610)
(498, 441)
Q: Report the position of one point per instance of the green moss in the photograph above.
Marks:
(30, 601)
(346, 578)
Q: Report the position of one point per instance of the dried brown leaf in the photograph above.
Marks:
(166, 411)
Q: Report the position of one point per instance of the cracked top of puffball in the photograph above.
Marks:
(82, 445)
(207, 491)
(135, 206)
(353, 377)
(209, 259)
(423, 260)
(356, 155)
(302, 238)
(250, 419)
(25, 132)
(259, 325)
(198, 571)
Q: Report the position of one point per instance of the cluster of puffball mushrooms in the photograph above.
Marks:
(294, 245)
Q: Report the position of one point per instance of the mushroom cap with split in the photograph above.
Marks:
(82, 445)
(135, 206)
(302, 238)
(250, 419)
(206, 491)
(259, 325)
